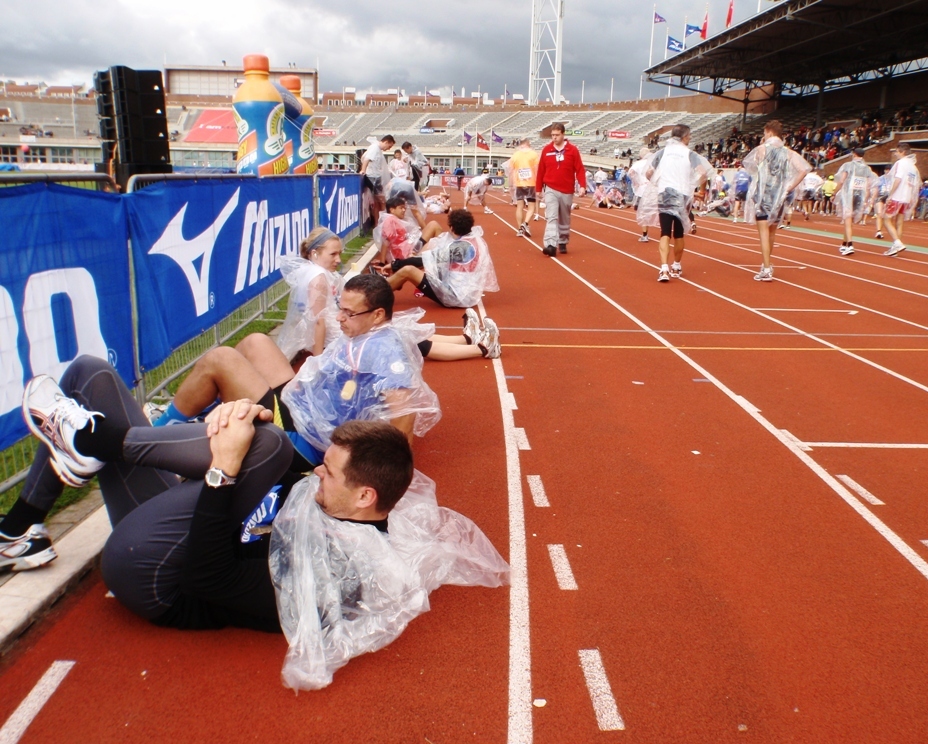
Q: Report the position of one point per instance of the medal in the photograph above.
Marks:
(348, 390)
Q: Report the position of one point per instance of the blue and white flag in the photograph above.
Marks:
(691, 29)
(673, 45)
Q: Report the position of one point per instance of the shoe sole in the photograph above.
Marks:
(894, 253)
(65, 473)
(846, 253)
(28, 562)
(663, 277)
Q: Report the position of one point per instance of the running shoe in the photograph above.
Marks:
(764, 275)
(536, 218)
(693, 229)
(525, 230)
(472, 327)
(489, 340)
(30, 550)
(562, 248)
(896, 247)
(643, 239)
(846, 250)
(520, 232)
(153, 411)
(663, 276)
(782, 227)
(879, 235)
(55, 419)
(676, 272)
(550, 250)
(487, 210)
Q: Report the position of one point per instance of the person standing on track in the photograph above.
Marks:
(676, 172)
(524, 165)
(559, 166)
(903, 195)
(775, 171)
(856, 186)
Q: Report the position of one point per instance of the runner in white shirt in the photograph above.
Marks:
(903, 195)
(476, 189)
(807, 190)
(857, 187)
(375, 171)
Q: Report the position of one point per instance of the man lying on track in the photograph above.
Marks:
(195, 554)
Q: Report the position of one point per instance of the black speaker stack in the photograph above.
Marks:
(133, 122)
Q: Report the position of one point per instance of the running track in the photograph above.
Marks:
(711, 492)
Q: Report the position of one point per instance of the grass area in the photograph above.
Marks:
(68, 497)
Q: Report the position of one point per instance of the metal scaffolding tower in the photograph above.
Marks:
(545, 73)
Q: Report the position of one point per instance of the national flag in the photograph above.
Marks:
(496, 138)
(705, 26)
(659, 19)
(481, 142)
(673, 45)
(691, 29)
(468, 137)
(731, 13)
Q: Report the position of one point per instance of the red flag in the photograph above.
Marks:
(705, 26)
(481, 142)
(731, 12)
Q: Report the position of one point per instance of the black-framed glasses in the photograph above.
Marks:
(349, 314)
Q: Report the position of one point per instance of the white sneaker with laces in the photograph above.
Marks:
(55, 419)
(764, 275)
(896, 247)
(29, 550)
(846, 250)
(663, 276)
(525, 230)
(643, 239)
(676, 272)
(489, 340)
(472, 327)
(487, 210)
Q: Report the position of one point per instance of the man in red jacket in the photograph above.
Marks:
(558, 167)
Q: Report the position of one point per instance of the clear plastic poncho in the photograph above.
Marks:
(855, 195)
(407, 189)
(677, 171)
(773, 167)
(459, 270)
(312, 292)
(378, 164)
(645, 192)
(344, 589)
(401, 236)
(376, 376)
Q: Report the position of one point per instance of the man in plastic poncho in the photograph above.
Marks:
(903, 195)
(675, 171)
(856, 188)
(775, 171)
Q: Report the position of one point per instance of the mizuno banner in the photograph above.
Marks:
(64, 289)
(340, 202)
(202, 249)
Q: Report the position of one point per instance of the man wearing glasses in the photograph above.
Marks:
(369, 373)
(558, 167)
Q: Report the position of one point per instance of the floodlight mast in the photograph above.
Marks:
(545, 70)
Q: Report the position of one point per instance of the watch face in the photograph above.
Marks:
(216, 478)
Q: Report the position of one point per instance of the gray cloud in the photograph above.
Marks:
(362, 43)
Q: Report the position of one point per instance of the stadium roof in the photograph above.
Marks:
(799, 45)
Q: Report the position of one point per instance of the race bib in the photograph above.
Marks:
(525, 174)
(858, 183)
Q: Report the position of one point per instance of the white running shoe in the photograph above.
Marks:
(525, 230)
(55, 419)
(676, 272)
(489, 340)
(764, 275)
(879, 235)
(643, 239)
(846, 250)
(487, 210)
(30, 550)
(663, 276)
(472, 327)
(896, 247)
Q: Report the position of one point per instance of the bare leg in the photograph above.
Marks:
(848, 230)
(408, 274)
(431, 230)
(520, 208)
(530, 211)
(766, 241)
(224, 373)
(266, 358)
(664, 248)
(878, 208)
(441, 352)
(677, 249)
(439, 339)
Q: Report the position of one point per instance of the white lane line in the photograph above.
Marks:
(607, 712)
(882, 529)
(803, 310)
(562, 570)
(796, 440)
(512, 403)
(772, 319)
(520, 659)
(522, 439)
(866, 445)
(861, 491)
(538, 491)
(29, 708)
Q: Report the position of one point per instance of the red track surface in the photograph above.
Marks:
(732, 591)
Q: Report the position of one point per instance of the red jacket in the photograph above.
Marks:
(560, 174)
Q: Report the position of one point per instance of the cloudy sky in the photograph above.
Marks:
(363, 43)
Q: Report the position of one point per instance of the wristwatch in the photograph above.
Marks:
(215, 478)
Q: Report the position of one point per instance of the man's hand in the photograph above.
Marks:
(231, 431)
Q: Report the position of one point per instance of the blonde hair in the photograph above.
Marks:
(317, 237)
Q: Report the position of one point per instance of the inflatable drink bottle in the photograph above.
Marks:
(298, 126)
(259, 119)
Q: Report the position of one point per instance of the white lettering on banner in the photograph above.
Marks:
(260, 248)
(348, 209)
(183, 252)
(78, 285)
(11, 368)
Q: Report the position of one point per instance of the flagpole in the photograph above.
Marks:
(666, 43)
(476, 139)
(650, 51)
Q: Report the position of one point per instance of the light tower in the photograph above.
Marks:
(545, 72)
